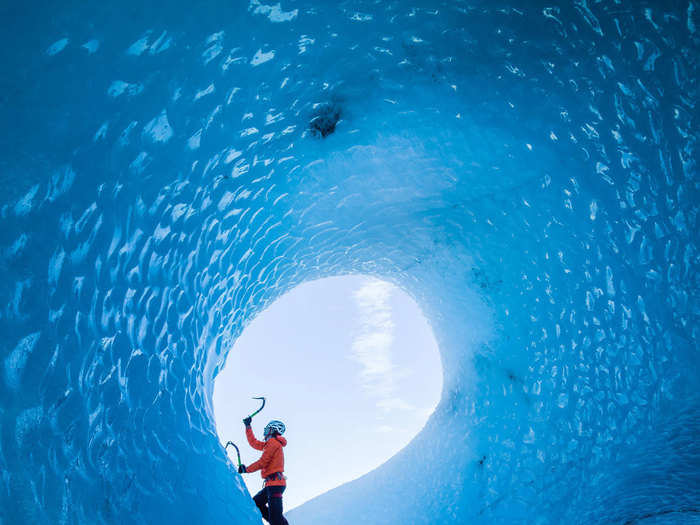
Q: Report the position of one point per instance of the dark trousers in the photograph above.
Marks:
(269, 501)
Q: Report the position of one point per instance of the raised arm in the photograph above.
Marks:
(257, 445)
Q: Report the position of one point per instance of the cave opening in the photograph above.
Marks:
(349, 363)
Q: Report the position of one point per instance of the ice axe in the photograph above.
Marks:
(259, 409)
(238, 452)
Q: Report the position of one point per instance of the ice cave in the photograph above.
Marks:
(526, 171)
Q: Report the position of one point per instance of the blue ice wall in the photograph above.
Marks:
(527, 172)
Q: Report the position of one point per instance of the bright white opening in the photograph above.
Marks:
(349, 364)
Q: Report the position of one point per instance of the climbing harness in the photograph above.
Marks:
(275, 476)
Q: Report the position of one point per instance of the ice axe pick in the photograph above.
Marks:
(259, 409)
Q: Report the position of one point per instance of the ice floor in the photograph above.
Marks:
(526, 171)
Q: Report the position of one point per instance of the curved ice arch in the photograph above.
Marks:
(528, 174)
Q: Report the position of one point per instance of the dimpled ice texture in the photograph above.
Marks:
(526, 171)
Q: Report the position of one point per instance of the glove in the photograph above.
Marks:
(241, 469)
(247, 421)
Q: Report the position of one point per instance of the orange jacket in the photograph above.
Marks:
(272, 459)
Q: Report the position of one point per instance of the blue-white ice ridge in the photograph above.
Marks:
(527, 171)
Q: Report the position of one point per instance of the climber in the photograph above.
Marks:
(271, 465)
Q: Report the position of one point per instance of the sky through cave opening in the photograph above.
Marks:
(352, 367)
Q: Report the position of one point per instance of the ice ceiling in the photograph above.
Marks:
(528, 173)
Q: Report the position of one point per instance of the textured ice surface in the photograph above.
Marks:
(527, 172)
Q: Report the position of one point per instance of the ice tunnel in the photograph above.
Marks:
(526, 171)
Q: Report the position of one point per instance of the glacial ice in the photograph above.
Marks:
(528, 173)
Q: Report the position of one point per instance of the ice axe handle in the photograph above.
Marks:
(238, 452)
